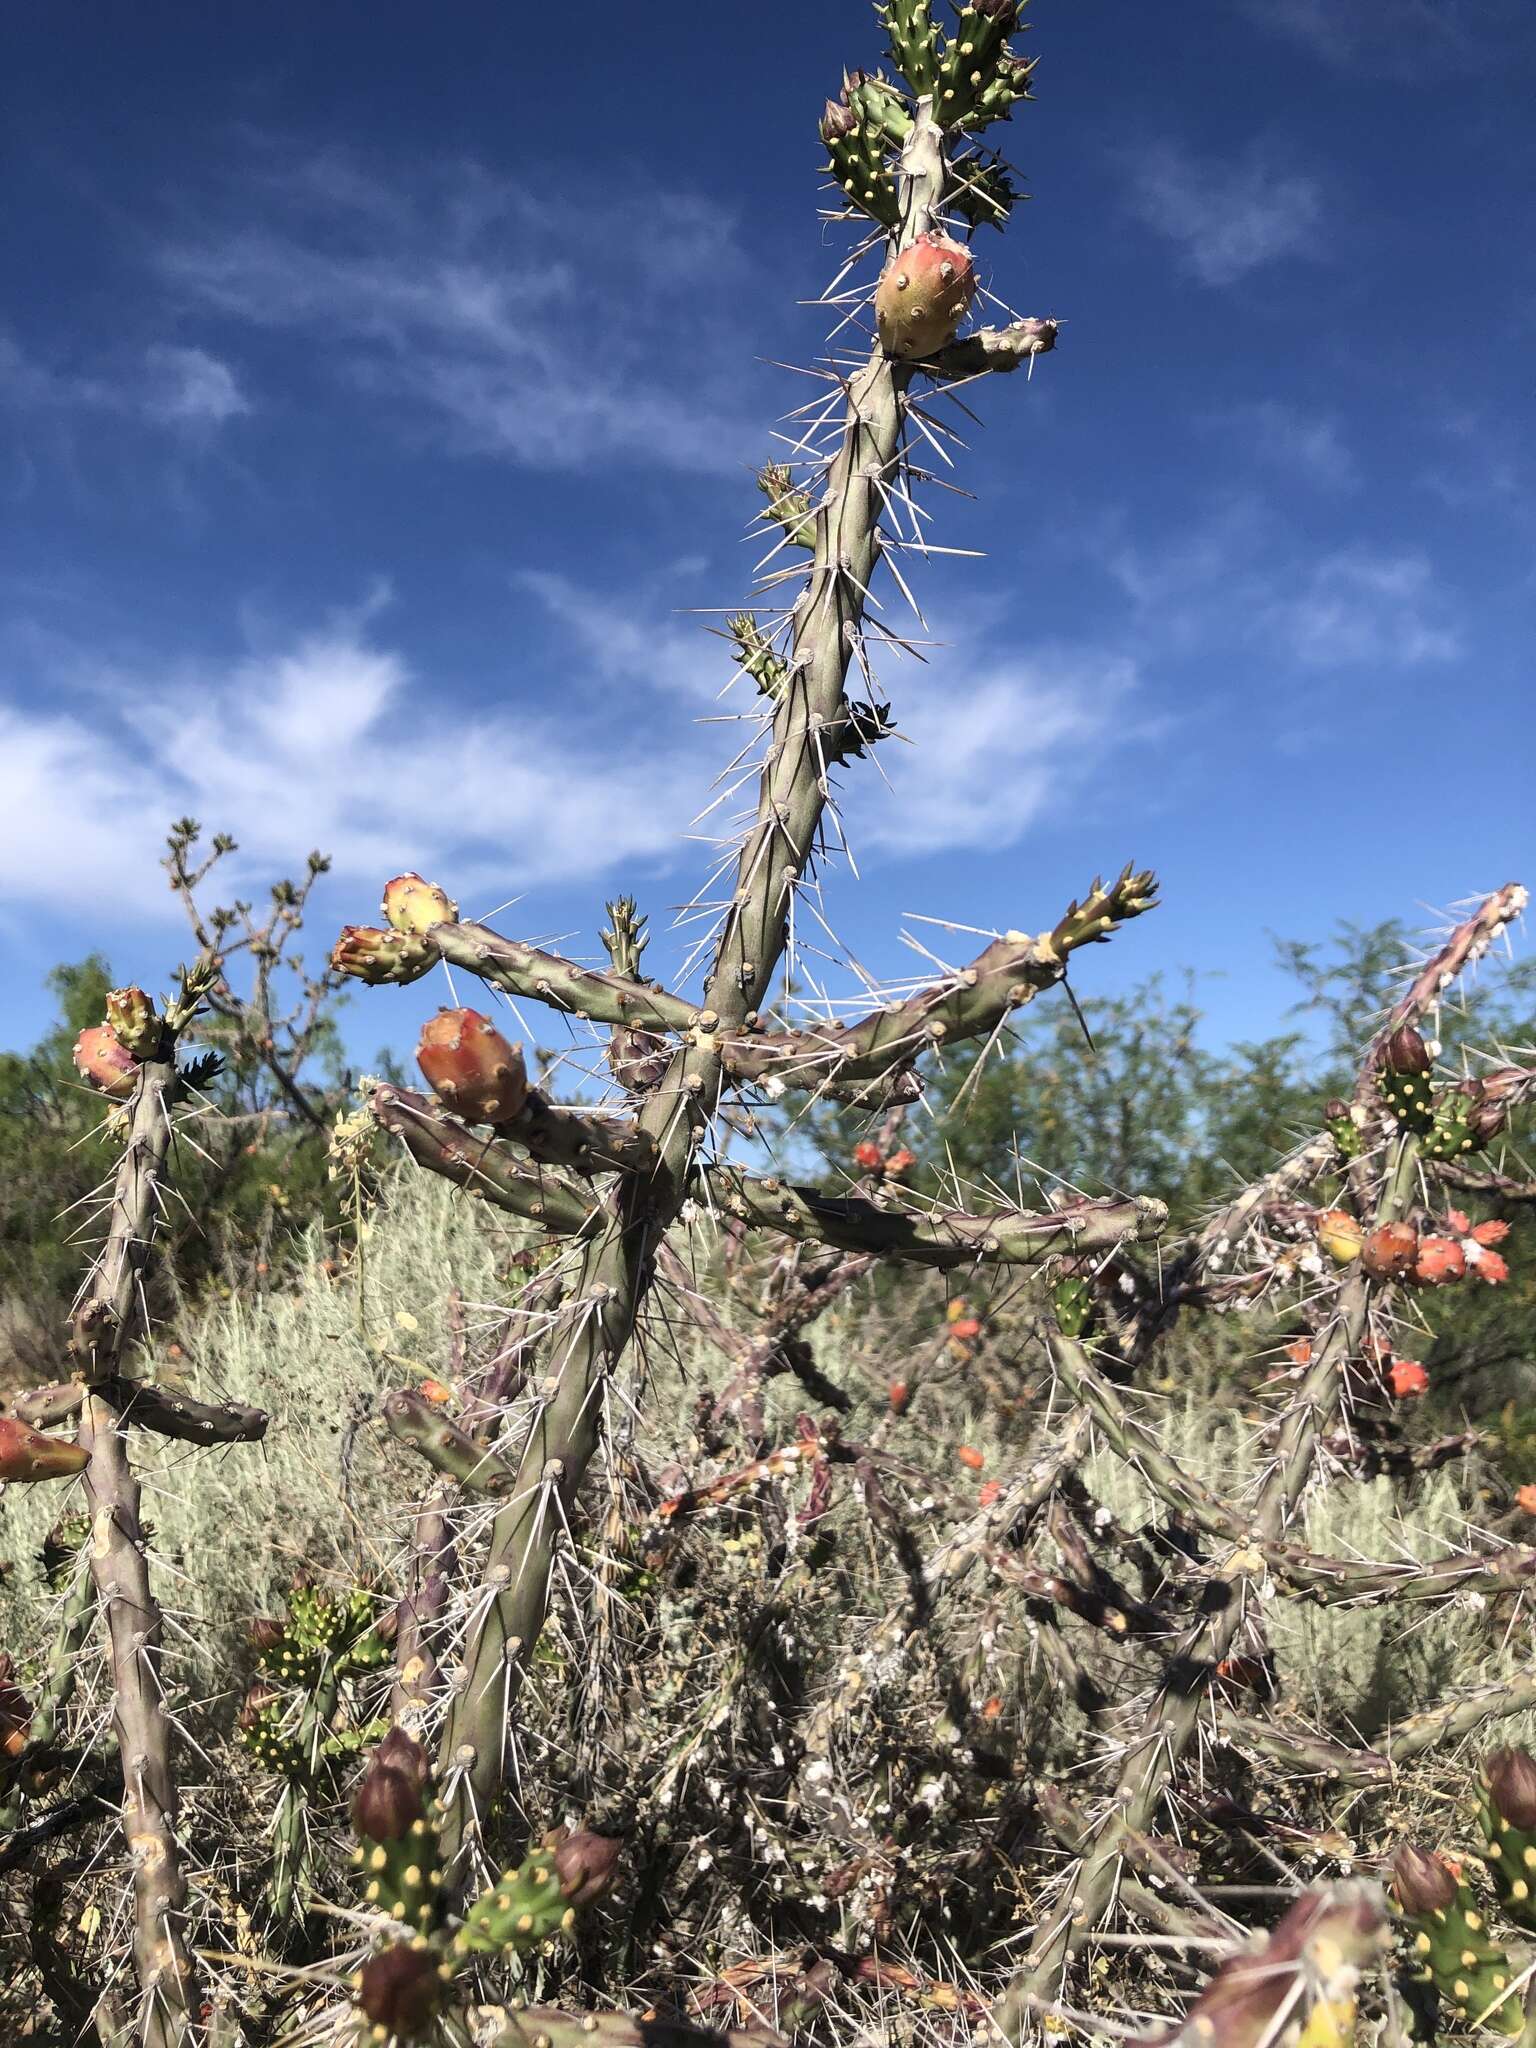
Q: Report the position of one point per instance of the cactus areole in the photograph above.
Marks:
(923, 295)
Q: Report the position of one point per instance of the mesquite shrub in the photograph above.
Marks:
(654, 1700)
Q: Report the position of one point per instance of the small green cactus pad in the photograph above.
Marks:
(404, 1878)
(1450, 1133)
(787, 506)
(1072, 1300)
(1410, 1098)
(324, 1627)
(1345, 1135)
(756, 656)
(526, 1908)
(914, 41)
(862, 177)
(1452, 1951)
(978, 74)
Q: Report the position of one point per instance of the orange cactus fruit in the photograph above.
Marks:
(1440, 1261)
(1489, 1266)
(102, 1059)
(970, 1456)
(991, 1493)
(435, 1392)
(412, 905)
(1408, 1378)
(1300, 1353)
(966, 1328)
(27, 1454)
(1339, 1235)
(899, 1394)
(471, 1068)
(1389, 1253)
(899, 1163)
(868, 1157)
(1525, 1497)
(923, 295)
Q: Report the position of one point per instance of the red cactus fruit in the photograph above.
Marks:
(470, 1067)
(970, 1456)
(867, 1156)
(899, 1163)
(412, 905)
(400, 1990)
(102, 1059)
(27, 1454)
(131, 1016)
(1389, 1253)
(923, 296)
(899, 1394)
(1440, 1261)
(1489, 1266)
(1408, 1378)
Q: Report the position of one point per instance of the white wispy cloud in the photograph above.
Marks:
(1364, 608)
(327, 740)
(165, 384)
(1287, 437)
(1403, 39)
(1225, 216)
(548, 329)
(1237, 580)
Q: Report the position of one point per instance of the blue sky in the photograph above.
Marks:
(379, 389)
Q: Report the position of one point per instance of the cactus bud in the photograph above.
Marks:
(1486, 1118)
(923, 296)
(1389, 1253)
(414, 906)
(1335, 1110)
(386, 1804)
(1405, 1052)
(584, 1863)
(837, 121)
(1004, 12)
(264, 1632)
(258, 1697)
(131, 1016)
(1440, 1261)
(102, 1059)
(1422, 1882)
(400, 1990)
(401, 1752)
(470, 1067)
(27, 1454)
(1511, 1776)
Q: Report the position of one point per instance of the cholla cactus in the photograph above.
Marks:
(571, 1603)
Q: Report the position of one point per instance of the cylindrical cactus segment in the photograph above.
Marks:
(975, 61)
(527, 1907)
(1506, 1799)
(1451, 1949)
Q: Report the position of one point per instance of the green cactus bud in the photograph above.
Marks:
(1342, 1128)
(1405, 1087)
(1450, 1132)
(1451, 1948)
(1072, 1299)
(787, 506)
